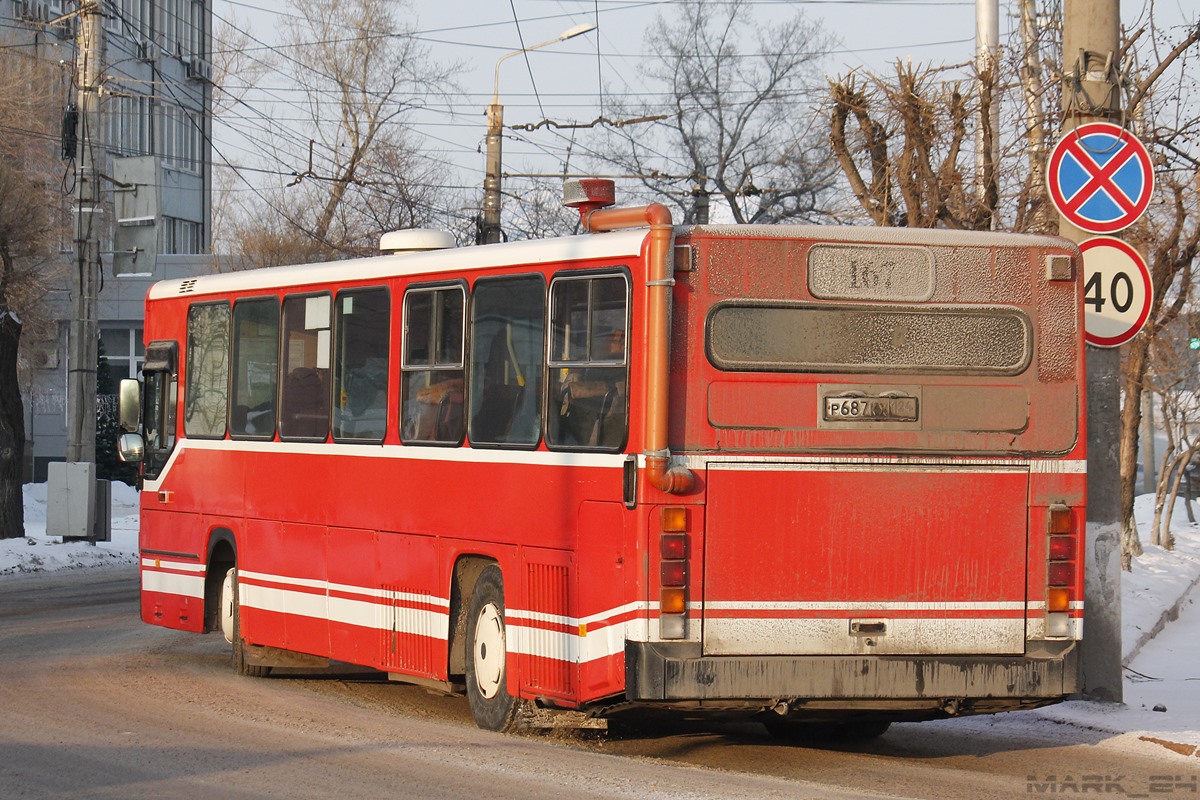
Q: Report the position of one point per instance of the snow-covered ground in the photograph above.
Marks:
(38, 552)
(1162, 660)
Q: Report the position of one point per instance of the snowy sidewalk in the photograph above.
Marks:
(1160, 636)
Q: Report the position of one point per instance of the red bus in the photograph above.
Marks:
(811, 475)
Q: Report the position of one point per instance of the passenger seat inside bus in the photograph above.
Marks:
(306, 403)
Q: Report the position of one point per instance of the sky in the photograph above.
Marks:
(579, 80)
(1162, 655)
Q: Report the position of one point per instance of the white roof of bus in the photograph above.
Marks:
(619, 244)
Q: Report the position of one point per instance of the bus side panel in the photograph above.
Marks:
(412, 620)
(172, 569)
(353, 613)
(261, 593)
(605, 588)
(543, 624)
(303, 551)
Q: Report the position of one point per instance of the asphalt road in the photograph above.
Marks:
(94, 704)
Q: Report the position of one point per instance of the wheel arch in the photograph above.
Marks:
(222, 556)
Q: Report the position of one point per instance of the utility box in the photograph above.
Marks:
(102, 519)
(71, 500)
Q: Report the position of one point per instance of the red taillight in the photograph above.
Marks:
(673, 545)
(673, 573)
(1060, 573)
(1062, 548)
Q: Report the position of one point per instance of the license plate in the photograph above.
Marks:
(881, 409)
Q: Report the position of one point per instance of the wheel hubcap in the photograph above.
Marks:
(489, 651)
(227, 607)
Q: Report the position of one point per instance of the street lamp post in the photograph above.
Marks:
(489, 230)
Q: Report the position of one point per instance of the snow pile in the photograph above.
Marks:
(38, 552)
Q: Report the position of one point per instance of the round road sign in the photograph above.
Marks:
(1100, 177)
(1117, 291)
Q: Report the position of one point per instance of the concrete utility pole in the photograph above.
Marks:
(987, 60)
(72, 490)
(81, 347)
(489, 229)
(1091, 93)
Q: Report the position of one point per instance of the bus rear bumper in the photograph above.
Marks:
(677, 673)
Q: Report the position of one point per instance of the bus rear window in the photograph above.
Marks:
(776, 338)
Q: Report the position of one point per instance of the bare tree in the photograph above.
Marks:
(1168, 235)
(361, 172)
(741, 126)
(29, 211)
(905, 163)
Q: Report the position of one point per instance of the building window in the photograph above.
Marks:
(182, 138)
(124, 352)
(129, 122)
(180, 236)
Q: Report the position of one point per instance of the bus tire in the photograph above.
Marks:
(492, 706)
(816, 732)
(232, 628)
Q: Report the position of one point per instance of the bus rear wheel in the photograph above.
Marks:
(492, 706)
(232, 629)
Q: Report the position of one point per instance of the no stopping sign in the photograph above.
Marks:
(1117, 291)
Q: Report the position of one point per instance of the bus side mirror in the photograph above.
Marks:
(129, 405)
(131, 448)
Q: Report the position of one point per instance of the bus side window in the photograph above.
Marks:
(507, 342)
(588, 406)
(304, 399)
(432, 390)
(255, 368)
(206, 393)
(361, 365)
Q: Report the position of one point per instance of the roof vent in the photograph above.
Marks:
(187, 286)
(414, 240)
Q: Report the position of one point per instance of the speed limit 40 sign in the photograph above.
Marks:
(1117, 291)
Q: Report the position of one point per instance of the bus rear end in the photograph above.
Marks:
(887, 433)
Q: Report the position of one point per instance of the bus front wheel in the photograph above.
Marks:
(492, 706)
(232, 629)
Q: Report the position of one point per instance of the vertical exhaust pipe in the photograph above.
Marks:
(591, 197)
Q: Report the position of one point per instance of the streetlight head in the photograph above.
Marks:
(578, 30)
